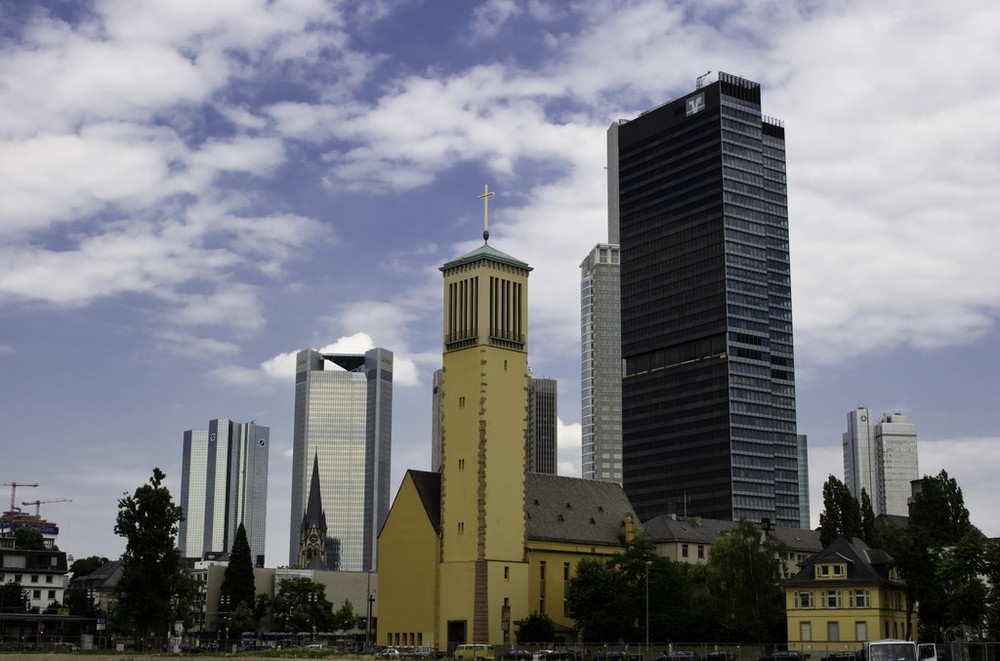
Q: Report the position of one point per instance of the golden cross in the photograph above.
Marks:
(485, 197)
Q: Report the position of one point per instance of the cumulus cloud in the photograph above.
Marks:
(569, 439)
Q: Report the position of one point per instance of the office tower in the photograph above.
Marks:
(803, 456)
(708, 390)
(861, 455)
(542, 425)
(896, 438)
(601, 364)
(223, 484)
(881, 458)
(343, 420)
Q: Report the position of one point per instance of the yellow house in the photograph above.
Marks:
(469, 550)
(846, 594)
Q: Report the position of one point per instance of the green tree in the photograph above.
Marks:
(85, 566)
(238, 582)
(596, 601)
(154, 589)
(241, 619)
(344, 618)
(28, 539)
(301, 605)
(13, 597)
(869, 528)
(745, 574)
(841, 513)
(536, 628)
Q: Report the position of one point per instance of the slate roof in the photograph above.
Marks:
(486, 251)
(560, 509)
(694, 530)
(865, 565)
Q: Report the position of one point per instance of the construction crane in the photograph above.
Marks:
(38, 503)
(13, 490)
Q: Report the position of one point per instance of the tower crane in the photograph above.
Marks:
(38, 503)
(13, 490)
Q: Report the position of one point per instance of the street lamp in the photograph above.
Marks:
(648, 563)
(368, 619)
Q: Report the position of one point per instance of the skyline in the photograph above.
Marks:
(190, 195)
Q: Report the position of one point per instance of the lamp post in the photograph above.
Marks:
(648, 563)
(368, 618)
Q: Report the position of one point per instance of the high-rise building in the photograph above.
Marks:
(543, 425)
(698, 205)
(805, 522)
(881, 458)
(601, 364)
(343, 422)
(223, 484)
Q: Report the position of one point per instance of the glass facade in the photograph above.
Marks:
(601, 375)
(708, 390)
(224, 483)
(881, 458)
(343, 419)
(542, 425)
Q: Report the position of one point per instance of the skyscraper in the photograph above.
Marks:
(543, 425)
(601, 361)
(697, 201)
(224, 483)
(881, 458)
(343, 420)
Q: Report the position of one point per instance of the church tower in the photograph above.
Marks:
(312, 530)
(484, 401)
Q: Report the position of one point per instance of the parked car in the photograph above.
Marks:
(612, 655)
(721, 655)
(517, 655)
(678, 655)
(783, 655)
(844, 655)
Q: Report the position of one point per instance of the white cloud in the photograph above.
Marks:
(569, 445)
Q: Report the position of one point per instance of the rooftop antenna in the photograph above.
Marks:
(701, 80)
(485, 197)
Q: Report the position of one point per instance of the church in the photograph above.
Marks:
(470, 550)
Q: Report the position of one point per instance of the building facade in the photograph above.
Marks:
(543, 425)
(343, 421)
(844, 596)
(880, 457)
(601, 364)
(698, 202)
(223, 484)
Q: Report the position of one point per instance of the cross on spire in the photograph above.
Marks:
(485, 197)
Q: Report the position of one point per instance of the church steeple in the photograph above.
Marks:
(312, 531)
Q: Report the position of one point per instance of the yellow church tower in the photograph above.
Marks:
(484, 401)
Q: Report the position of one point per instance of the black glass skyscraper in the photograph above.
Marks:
(708, 391)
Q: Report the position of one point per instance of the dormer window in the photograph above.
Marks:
(831, 570)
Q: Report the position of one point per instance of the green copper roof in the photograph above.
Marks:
(486, 251)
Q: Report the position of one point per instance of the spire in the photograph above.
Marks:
(314, 514)
(485, 197)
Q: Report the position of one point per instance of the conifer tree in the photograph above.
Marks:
(238, 582)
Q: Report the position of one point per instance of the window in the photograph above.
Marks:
(839, 570)
(860, 599)
(461, 527)
(461, 465)
(34, 578)
(701, 550)
(36, 594)
(506, 573)
(831, 599)
(48, 578)
(803, 600)
(565, 571)
(684, 550)
(805, 631)
(52, 594)
(833, 631)
(541, 570)
(861, 631)
(461, 402)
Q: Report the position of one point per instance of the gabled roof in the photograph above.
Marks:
(572, 509)
(486, 251)
(559, 509)
(666, 528)
(865, 565)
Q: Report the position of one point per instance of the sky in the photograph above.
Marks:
(191, 192)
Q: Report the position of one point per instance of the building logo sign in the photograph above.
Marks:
(696, 104)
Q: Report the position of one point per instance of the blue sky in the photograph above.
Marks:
(191, 192)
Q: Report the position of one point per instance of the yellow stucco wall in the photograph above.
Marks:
(809, 628)
(408, 572)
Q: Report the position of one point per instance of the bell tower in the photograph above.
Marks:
(484, 426)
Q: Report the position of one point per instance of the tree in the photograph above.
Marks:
(13, 598)
(28, 539)
(238, 582)
(745, 574)
(345, 618)
(88, 565)
(301, 605)
(536, 628)
(154, 589)
(596, 601)
(869, 530)
(841, 513)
